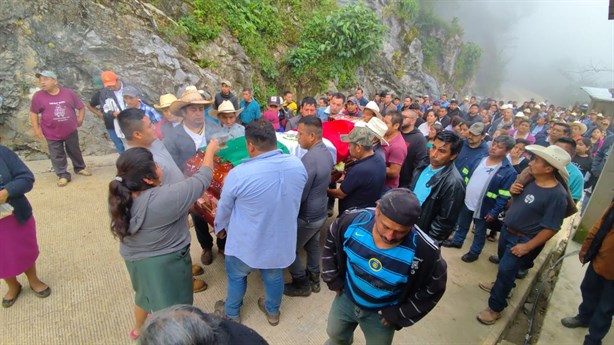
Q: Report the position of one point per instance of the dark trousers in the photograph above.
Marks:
(203, 235)
(59, 149)
(597, 305)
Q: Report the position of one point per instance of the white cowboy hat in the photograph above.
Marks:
(226, 107)
(554, 155)
(379, 128)
(165, 101)
(190, 96)
(371, 105)
(582, 126)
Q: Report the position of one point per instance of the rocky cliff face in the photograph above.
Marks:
(80, 38)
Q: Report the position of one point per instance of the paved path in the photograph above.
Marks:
(92, 297)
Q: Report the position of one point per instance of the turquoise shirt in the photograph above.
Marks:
(251, 111)
(421, 189)
(576, 182)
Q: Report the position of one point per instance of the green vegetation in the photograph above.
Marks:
(466, 64)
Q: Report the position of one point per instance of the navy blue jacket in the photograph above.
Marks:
(467, 157)
(497, 194)
(17, 179)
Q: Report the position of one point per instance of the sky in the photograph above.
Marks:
(548, 46)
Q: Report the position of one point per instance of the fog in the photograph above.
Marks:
(541, 49)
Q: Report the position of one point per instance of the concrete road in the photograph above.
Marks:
(92, 297)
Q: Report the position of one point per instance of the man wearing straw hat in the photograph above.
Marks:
(533, 218)
(182, 142)
(169, 121)
(227, 115)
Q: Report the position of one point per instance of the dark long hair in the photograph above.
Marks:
(133, 166)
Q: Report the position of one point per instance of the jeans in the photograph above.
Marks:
(237, 272)
(597, 305)
(119, 144)
(343, 318)
(509, 264)
(308, 237)
(201, 227)
(465, 217)
(59, 149)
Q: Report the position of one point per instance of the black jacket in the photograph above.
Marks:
(440, 209)
(427, 283)
(416, 154)
(220, 97)
(106, 93)
(17, 179)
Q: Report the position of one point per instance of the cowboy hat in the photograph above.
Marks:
(226, 107)
(379, 128)
(582, 126)
(165, 101)
(189, 97)
(554, 155)
(371, 105)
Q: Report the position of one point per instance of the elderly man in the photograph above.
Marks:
(227, 115)
(364, 180)
(140, 132)
(506, 121)
(439, 187)
(182, 142)
(532, 219)
(387, 273)
(260, 235)
(61, 113)
(318, 162)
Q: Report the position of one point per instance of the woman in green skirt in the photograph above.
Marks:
(151, 221)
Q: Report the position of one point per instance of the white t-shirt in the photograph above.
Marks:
(199, 139)
(476, 184)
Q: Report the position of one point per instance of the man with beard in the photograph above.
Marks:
(416, 147)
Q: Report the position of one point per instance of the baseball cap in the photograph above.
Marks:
(226, 82)
(453, 101)
(352, 99)
(437, 103)
(477, 128)
(400, 205)
(48, 74)
(130, 91)
(359, 135)
(274, 100)
(109, 78)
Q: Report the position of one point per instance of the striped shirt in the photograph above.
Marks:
(375, 277)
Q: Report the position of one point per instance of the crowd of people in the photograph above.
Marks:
(419, 175)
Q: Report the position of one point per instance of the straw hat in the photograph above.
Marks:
(374, 108)
(165, 101)
(190, 96)
(554, 155)
(582, 126)
(226, 107)
(379, 128)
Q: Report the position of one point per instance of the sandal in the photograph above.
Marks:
(133, 335)
(7, 303)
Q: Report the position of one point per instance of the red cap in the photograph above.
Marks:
(108, 78)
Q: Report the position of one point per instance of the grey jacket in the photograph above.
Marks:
(159, 217)
(181, 146)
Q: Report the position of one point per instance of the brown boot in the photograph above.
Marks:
(206, 257)
(488, 316)
(197, 270)
(198, 285)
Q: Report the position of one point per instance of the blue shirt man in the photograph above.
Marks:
(257, 213)
(251, 108)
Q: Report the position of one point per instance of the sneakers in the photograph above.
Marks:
(198, 285)
(573, 322)
(197, 270)
(206, 257)
(84, 172)
(522, 273)
(451, 244)
(494, 259)
(470, 257)
(488, 316)
(298, 287)
(219, 311)
(273, 319)
(62, 182)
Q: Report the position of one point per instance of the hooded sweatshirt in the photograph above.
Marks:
(159, 217)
